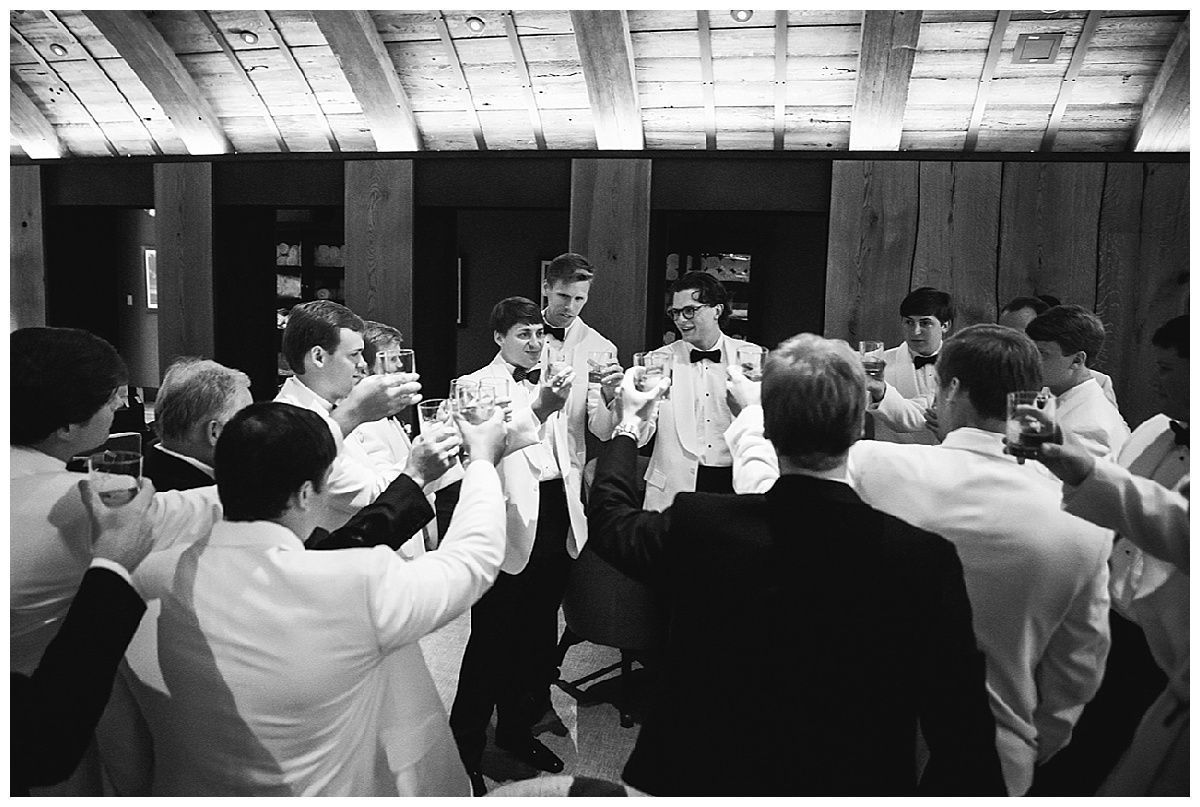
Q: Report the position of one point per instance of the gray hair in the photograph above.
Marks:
(813, 398)
(195, 391)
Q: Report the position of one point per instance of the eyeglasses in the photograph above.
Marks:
(687, 312)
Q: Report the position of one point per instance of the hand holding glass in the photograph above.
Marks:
(114, 475)
(656, 366)
(433, 414)
(558, 359)
(597, 361)
(475, 402)
(1030, 422)
(750, 358)
(872, 358)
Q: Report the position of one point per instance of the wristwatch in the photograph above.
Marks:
(626, 429)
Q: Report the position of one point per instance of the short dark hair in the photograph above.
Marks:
(1035, 304)
(1174, 334)
(711, 291)
(265, 453)
(570, 267)
(316, 323)
(989, 362)
(1071, 327)
(813, 398)
(59, 377)
(1050, 300)
(376, 335)
(512, 310)
(928, 301)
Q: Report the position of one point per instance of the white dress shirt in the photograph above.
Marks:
(1090, 421)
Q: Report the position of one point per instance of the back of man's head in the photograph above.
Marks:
(928, 302)
(265, 454)
(195, 392)
(511, 311)
(570, 267)
(379, 336)
(1174, 335)
(1035, 304)
(1072, 327)
(989, 362)
(318, 323)
(813, 398)
(59, 377)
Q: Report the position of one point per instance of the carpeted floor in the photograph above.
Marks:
(587, 735)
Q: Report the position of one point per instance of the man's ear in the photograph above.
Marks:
(498, 338)
(946, 326)
(302, 499)
(953, 389)
(718, 310)
(316, 354)
(1080, 358)
(213, 431)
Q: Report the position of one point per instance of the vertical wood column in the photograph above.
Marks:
(610, 224)
(183, 203)
(26, 249)
(379, 241)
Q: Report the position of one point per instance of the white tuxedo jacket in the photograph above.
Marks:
(676, 457)
(1090, 421)
(290, 672)
(900, 415)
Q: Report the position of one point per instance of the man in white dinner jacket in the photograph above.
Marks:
(900, 401)
(1037, 577)
(504, 655)
(293, 672)
(1069, 338)
(690, 453)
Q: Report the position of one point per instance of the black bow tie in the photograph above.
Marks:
(711, 355)
(921, 361)
(558, 333)
(532, 375)
(1181, 433)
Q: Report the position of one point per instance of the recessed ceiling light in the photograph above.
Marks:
(58, 50)
(741, 16)
(249, 37)
(475, 24)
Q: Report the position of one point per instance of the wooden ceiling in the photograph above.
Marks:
(117, 83)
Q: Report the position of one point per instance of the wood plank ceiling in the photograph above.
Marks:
(114, 83)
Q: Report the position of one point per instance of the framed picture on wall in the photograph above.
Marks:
(150, 259)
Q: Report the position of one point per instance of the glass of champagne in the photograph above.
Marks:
(433, 413)
(872, 358)
(1030, 422)
(597, 361)
(395, 360)
(114, 475)
(750, 358)
(655, 366)
(475, 402)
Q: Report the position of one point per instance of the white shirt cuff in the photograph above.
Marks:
(111, 565)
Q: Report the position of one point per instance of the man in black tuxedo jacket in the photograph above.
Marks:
(810, 634)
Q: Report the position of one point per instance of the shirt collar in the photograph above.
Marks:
(1081, 389)
(296, 388)
(189, 460)
(257, 533)
(973, 439)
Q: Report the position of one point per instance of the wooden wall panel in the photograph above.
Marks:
(26, 248)
(1118, 283)
(1050, 214)
(957, 236)
(183, 201)
(610, 224)
(379, 241)
(872, 236)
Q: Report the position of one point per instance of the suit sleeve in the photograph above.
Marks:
(956, 718)
(901, 414)
(630, 538)
(1156, 519)
(1072, 665)
(410, 598)
(56, 709)
(395, 515)
(755, 463)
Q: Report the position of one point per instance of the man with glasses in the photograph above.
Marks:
(690, 453)
(901, 400)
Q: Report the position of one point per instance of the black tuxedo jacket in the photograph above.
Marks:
(171, 473)
(808, 636)
(55, 710)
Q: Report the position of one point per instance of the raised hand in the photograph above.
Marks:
(742, 391)
(433, 453)
(123, 533)
(483, 441)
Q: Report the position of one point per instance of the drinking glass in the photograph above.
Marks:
(872, 358)
(114, 475)
(1030, 422)
(498, 386)
(597, 361)
(655, 366)
(433, 412)
(751, 358)
(475, 402)
(395, 360)
(558, 359)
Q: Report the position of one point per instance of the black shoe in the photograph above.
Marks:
(478, 786)
(532, 752)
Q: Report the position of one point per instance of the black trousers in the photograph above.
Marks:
(714, 479)
(514, 634)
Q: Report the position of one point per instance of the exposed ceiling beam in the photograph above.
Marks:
(707, 82)
(150, 57)
(240, 71)
(29, 126)
(985, 78)
(464, 88)
(1164, 125)
(372, 76)
(290, 58)
(1078, 53)
(514, 43)
(781, 59)
(606, 55)
(885, 62)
